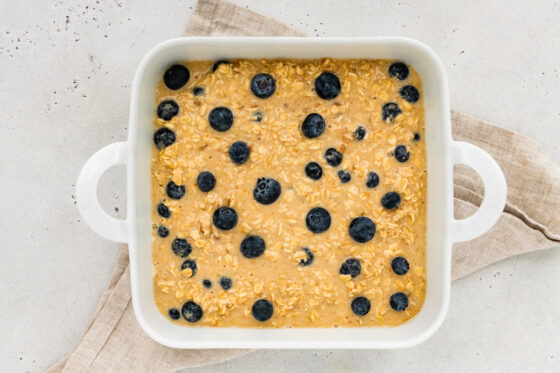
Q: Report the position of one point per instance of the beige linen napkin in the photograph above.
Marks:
(531, 221)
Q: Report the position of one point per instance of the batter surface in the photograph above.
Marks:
(289, 193)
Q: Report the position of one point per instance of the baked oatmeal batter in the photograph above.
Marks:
(289, 193)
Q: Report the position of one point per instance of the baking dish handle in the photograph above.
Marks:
(495, 191)
(86, 192)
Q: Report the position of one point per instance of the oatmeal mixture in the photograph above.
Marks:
(289, 193)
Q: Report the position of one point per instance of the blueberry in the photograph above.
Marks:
(163, 138)
(398, 70)
(318, 220)
(218, 63)
(306, 262)
(313, 125)
(391, 200)
(267, 190)
(416, 137)
(162, 231)
(189, 263)
(372, 180)
(263, 85)
(359, 133)
(207, 283)
(351, 266)
(167, 109)
(174, 313)
(252, 247)
(400, 265)
(163, 210)
(262, 310)
(181, 247)
(175, 191)
(399, 301)
(314, 170)
(198, 91)
(225, 283)
(410, 93)
(344, 176)
(333, 157)
(206, 181)
(401, 154)
(192, 311)
(224, 218)
(361, 306)
(239, 152)
(361, 229)
(389, 111)
(176, 77)
(257, 115)
(327, 86)
(220, 119)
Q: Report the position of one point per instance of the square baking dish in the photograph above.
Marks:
(442, 228)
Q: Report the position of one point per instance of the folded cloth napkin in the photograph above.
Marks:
(115, 342)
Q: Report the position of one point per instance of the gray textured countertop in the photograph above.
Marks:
(66, 70)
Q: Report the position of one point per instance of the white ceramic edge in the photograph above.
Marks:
(131, 226)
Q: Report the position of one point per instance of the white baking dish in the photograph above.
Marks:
(442, 228)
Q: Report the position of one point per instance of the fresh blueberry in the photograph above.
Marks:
(191, 311)
(398, 70)
(361, 306)
(400, 265)
(218, 63)
(318, 220)
(198, 91)
(372, 180)
(225, 283)
(220, 119)
(175, 191)
(313, 125)
(252, 247)
(174, 313)
(176, 77)
(189, 263)
(359, 133)
(257, 116)
(181, 247)
(239, 152)
(389, 111)
(163, 210)
(225, 218)
(163, 138)
(267, 190)
(207, 283)
(391, 200)
(314, 170)
(361, 229)
(399, 301)
(327, 86)
(410, 93)
(306, 262)
(351, 266)
(262, 310)
(263, 85)
(416, 137)
(344, 176)
(206, 181)
(333, 157)
(167, 109)
(401, 153)
(162, 231)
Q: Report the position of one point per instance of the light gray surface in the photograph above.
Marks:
(65, 74)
